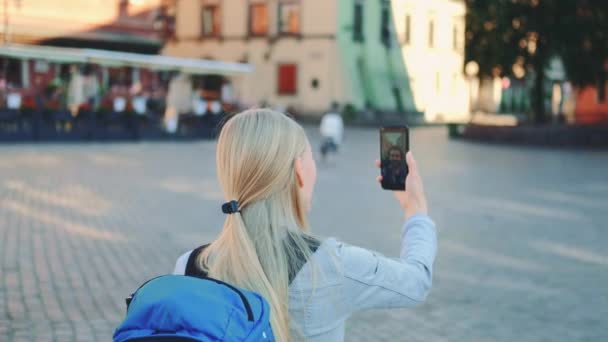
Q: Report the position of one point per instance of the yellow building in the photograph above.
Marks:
(432, 36)
(306, 53)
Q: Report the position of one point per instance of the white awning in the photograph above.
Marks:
(118, 59)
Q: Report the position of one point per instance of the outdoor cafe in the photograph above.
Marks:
(52, 93)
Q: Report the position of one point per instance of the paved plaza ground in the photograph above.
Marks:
(523, 234)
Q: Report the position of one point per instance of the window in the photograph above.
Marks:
(385, 22)
(358, 22)
(258, 19)
(164, 20)
(431, 34)
(287, 79)
(289, 18)
(408, 25)
(458, 33)
(210, 21)
(123, 8)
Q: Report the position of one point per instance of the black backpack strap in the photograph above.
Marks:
(192, 268)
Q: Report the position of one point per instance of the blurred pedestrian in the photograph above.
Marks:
(75, 91)
(267, 174)
(179, 100)
(332, 131)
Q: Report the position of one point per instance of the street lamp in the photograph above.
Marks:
(471, 69)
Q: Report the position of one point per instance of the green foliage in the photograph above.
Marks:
(501, 32)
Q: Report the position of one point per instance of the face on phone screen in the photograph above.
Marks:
(393, 147)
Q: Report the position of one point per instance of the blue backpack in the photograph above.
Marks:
(194, 308)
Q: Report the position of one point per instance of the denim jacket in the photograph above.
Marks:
(341, 279)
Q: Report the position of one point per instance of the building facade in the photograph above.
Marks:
(431, 35)
(306, 54)
(138, 26)
(124, 25)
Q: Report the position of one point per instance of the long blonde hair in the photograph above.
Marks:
(258, 247)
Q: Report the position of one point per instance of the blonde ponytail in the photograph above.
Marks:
(259, 246)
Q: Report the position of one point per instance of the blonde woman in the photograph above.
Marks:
(267, 173)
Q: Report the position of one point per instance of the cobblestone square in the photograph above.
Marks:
(522, 234)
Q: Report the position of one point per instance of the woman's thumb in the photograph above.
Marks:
(411, 162)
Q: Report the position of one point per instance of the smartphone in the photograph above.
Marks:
(394, 144)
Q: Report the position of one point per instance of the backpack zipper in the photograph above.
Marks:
(243, 298)
(241, 294)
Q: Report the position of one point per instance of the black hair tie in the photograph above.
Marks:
(230, 207)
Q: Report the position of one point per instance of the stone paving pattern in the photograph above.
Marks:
(523, 239)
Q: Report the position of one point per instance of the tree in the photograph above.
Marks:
(501, 33)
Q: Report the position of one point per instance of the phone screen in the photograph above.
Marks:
(394, 144)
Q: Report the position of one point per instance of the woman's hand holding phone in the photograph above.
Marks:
(413, 199)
